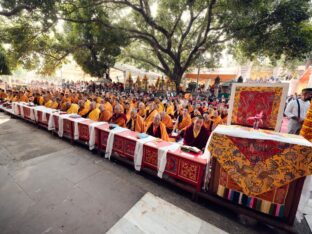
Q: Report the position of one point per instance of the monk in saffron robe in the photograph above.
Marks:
(207, 122)
(224, 115)
(160, 105)
(216, 120)
(157, 129)
(127, 110)
(136, 122)
(105, 115)
(94, 114)
(83, 109)
(108, 106)
(170, 109)
(196, 135)
(3, 95)
(118, 117)
(23, 97)
(55, 103)
(142, 110)
(73, 108)
(47, 102)
(150, 115)
(167, 121)
(184, 121)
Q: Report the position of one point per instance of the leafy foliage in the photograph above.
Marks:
(4, 67)
(165, 35)
(94, 45)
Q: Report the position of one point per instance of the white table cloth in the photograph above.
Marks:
(110, 140)
(138, 152)
(162, 157)
(92, 134)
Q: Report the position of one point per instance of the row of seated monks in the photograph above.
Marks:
(169, 119)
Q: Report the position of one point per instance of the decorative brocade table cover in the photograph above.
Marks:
(259, 161)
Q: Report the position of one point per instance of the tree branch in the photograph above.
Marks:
(147, 61)
(17, 9)
(199, 41)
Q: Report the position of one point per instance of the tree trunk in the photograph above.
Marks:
(176, 78)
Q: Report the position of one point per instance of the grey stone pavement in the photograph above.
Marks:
(48, 185)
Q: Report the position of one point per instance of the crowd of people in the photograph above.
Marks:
(171, 118)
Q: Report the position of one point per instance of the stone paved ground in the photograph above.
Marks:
(50, 186)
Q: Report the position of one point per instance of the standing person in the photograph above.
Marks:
(296, 111)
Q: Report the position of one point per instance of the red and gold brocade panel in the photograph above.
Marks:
(256, 170)
(189, 170)
(118, 144)
(129, 147)
(172, 165)
(83, 132)
(277, 195)
(250, 101)
(103, 138)
(26, 112)
(39, 114)
(40, 117)
(97, 136)
(67, 127)
(150, 156)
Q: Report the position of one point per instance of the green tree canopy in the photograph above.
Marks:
(165, 35)
(171, 33)
(95, 45)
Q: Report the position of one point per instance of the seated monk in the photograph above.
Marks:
(47, 102)
(142, 110)
(105, 115)
(207, 121)
(94, 113)
(170, 109)
(216, 120)
(183, 121)
(108, 106)
(150, 115)
(160, 105)
(3, 95)
(55, 103)
(23, 97)
(167, 121)
(196, 135)
(15, 97)
(127, 110)
(196, 113)
(224, 115)
(83, 109)
(73, 108)
(136, 122)
(157, 129)
(118, 117)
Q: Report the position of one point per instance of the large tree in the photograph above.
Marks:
(171, 33)
(34, 40)
(25, 26)
(93, 46)
(168, 35)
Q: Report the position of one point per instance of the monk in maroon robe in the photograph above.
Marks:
(196, 135)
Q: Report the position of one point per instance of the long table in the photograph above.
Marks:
(165, 158)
